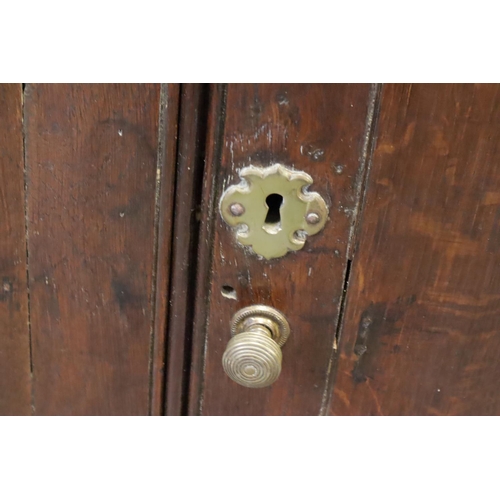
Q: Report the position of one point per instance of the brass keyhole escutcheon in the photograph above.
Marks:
(272, 211)
(253, 355)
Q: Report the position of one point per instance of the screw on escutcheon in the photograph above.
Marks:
(237, 209)
(312, 218)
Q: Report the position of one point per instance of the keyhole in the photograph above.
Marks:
(274, 202)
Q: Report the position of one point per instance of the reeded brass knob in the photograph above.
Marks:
(253, 355)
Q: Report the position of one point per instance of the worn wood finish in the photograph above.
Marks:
(166, 183)
(422, 328)
(320, 129)
(15, 377)
(91, 153)
(192, 135)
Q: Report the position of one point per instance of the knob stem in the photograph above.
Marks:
(260, 329)
(253, 355)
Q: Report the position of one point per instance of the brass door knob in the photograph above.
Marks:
(253, 355)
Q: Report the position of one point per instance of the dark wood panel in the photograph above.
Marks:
(422, 327)
(91, 153)
(319, 129)
(167, 166)
(15, 377)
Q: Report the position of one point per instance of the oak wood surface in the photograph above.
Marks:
(91, 159)
(113, 229)
(319, 129)
(422, 323)
(15, 376)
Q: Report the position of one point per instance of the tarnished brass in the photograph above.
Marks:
(271, 230)
(253, 355)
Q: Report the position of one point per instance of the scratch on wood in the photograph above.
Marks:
(375, 399)
(26, 228)
(162, 118)
(410, 86)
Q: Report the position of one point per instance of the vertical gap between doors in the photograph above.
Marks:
(201, 132)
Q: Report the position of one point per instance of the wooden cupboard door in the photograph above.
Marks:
(422, 324)
(402, 319)
(323, 130)
(94, 202)
(119, 276)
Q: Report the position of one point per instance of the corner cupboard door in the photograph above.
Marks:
(421, 334)
(85, 247)
(324, 131)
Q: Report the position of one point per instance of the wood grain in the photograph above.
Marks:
(319, 129)
(422, 324)
(91, 153)
(15, 377)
